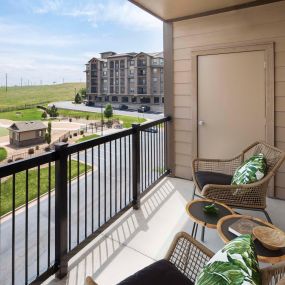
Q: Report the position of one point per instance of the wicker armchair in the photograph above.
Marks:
(190, 256)
(247, 196)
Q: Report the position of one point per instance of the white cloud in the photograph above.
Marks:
(120, 12)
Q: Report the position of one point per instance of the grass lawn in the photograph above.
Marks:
(3, 132)
(6, 186)
(3, 153)
(23, 115)
(86, 138)
(127, 120)
(17, 96)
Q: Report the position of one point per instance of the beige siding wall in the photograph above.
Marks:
(263, 24)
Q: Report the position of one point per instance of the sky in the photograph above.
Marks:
(50, 41)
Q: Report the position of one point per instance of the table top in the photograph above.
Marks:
(263, 254)
(195, 211)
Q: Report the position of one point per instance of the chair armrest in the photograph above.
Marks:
(188, 255)
(89, 281)
(274, 274)
(226, 166)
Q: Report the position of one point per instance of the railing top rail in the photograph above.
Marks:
(21, 165)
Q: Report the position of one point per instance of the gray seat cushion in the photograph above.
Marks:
(161, 272)
(206, 177)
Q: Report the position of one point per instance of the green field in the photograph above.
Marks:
(86, 138)
(127, 120)
(23, 115)
(3, 153)
(3, 132)
(20, 195)
(18, 96)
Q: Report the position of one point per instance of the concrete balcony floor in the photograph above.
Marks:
(141, 237)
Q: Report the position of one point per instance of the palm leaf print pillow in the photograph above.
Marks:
(235, 264)
(250, 171)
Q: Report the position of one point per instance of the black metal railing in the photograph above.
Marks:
(52, 205)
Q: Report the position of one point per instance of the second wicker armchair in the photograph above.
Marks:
(212, 178)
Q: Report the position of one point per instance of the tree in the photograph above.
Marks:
(77, 99)
(48, 134)
(82, 92)
(108, 112)
(44, 115)
(52, 111)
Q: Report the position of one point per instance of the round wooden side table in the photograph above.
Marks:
(263, 254)
(195, 211)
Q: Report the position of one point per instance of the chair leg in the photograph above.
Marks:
(194, 190)
(267, 216)
(203, 234)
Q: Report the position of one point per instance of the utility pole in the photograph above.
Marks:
(6, 82)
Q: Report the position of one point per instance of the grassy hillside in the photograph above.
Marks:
(22, 115)
(17, 96)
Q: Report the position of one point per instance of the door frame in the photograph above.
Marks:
(268, 49)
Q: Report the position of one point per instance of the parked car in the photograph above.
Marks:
(143, 109)
(151, 130)
(123, 107)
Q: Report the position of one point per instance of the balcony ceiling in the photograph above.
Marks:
(169, 10)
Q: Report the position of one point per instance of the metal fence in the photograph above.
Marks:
(52, 205)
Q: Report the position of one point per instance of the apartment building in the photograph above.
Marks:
(129, 78)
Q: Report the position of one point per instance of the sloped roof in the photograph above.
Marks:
(27, 126)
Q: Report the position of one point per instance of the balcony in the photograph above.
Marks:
(57, 203)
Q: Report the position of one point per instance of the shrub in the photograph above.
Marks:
(47, 148)
(18, 158)
(75, 134)
(77, 99)
(9, 160)
(87, 117)
(31, 151)
(70, 119)
(44, 115)
(81, 132)
(108, 112)
(65, 139)
(37, 147)
(70, 136)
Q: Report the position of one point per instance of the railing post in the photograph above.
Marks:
(136, 166)
(61, 209)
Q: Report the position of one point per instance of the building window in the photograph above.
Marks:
(111, 89)
(162, 99)
(125, 99)
(104, 73)
(156, 100)
(154, 70)
(141, 72)
(117, 65)
(132, 80)
(134, 99)
(117, 73)
(93, 89)
(132, 63)
(105, 64)
(106, 99)
(154, 61)
(122, 81)
(117, 81)
(117, 89)
(132, 90)
(154, 91)
(145, 100)
(111, 64)
(154, 79)
(114, 99)
(122, 64)
(141, 90)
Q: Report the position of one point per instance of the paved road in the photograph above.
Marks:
(116, 196)
(81, 107)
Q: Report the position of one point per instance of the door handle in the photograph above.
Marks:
(201, 123)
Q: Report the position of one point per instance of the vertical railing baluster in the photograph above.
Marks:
(99, 187)
(92, 185)
(110, 149)
(38, 220)
(120, 173)
(148, 160)
(145, 169)
(49, 210)
(105, 185)
(69, 202)
(13, 227)
(116, 184)
(130, 175)
(85, 194)
(27, 228)
(61, 208)
(78, 196)
(136, 166)
(125, 168)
